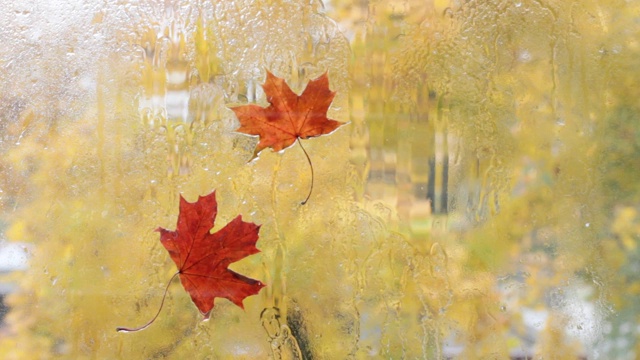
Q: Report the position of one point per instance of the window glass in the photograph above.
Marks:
(479, 198)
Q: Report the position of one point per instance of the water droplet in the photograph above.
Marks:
(524, 56)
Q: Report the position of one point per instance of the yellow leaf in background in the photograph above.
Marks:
(17, 231)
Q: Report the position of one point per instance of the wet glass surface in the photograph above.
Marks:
(482, 201)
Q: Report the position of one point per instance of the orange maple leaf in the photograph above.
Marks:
(289, 117)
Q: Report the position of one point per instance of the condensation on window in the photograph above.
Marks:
(481, 200)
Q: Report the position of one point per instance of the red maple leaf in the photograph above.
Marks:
(202, 258)
(289, 117)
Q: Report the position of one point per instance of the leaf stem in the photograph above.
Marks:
(124, 329)
(310, 165)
